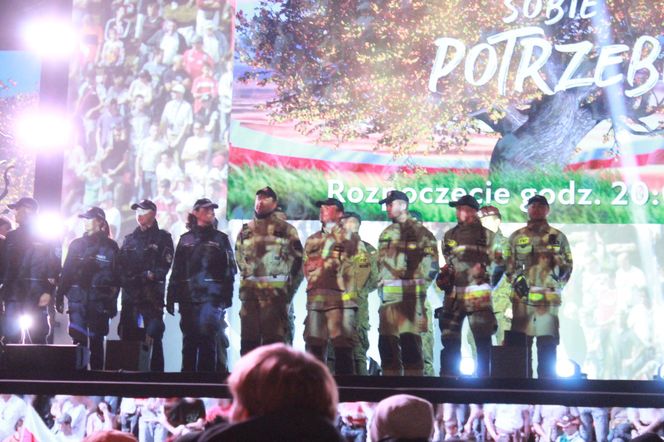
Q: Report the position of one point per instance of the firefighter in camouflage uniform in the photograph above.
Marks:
(331, 266)
(407, 262)
(269, 255)
(501, 296)
(468, 252)
(351, 222)
(540, 256)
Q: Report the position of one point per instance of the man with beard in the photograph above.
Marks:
(269, 254)
(332, 290)
(408, 262)
(145, 259)
(468, 252)
(541, 255)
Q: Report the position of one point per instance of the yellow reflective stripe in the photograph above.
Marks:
(264, 284)
(535, 296)
(349, 296)
(551, 297)
(390, 289)
(477, 294)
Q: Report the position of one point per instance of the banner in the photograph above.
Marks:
(500, 100)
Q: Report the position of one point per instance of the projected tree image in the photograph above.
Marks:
(424, 76)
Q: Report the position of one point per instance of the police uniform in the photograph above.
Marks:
(28, 263)
(90, 282)
(468, 249)
(543, 256)
(202, 284)
(269, 255)
(145, 259)
(332, 263)
(407, 262)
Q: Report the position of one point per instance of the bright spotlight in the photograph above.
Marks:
(50, 226)
(467, 366)
(50, 37)
(25, 322)
(44, 131)
(567, 368)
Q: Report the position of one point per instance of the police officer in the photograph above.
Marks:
(351, 222)
(269, 254)
(30, 268)
(330, 263)
(145, 259)
(91, 282)
(407, 262)
(202, 284)
(468, 252)
(541, 255)
(501, 295)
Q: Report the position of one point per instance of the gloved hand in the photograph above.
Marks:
(445, 278)
(520, 286)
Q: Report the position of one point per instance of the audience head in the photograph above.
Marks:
(402, 417)
(277, 378)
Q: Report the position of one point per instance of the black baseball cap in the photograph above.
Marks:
(466, 200)
(144, 204)
(26, 201)
(537, 199)
(94, 212)
(393, 195)
(331, 202)
(355, 215)
(268, 192)
(203, 203)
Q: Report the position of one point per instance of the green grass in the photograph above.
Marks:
(299, 189)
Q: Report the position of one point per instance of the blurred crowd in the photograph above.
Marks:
(151, 94)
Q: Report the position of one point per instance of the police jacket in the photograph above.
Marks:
(143, 253)
(90, 271)
(27, 265)
(203, 269)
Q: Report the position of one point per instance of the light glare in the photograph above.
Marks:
(43, 131)
(50, 37)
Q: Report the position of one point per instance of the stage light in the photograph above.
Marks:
(567, 368)
(44, 131)
(467, 366)
(25, 322)
(50, 37)
(50, 226)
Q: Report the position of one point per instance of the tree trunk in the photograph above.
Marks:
(554, 128)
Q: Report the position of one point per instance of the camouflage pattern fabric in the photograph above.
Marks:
(543, 255)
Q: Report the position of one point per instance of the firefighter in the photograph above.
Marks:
(408, 262)
(269, 255)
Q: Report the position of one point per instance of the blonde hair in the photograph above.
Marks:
(276, 378)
